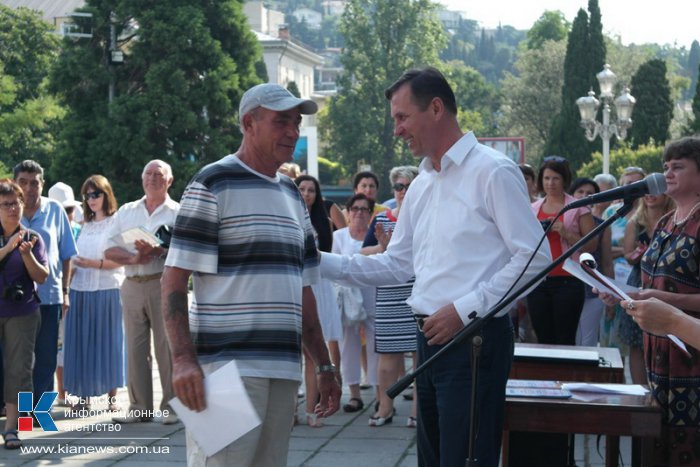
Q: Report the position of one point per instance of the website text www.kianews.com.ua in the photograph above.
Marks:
(70, 449)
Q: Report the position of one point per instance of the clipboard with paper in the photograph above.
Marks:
(586, 271)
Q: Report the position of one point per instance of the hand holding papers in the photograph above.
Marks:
(594, 278)
(229, 413)
(128, 238)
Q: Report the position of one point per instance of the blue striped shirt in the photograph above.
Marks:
(249, 241)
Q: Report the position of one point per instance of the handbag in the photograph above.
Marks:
(350, 305)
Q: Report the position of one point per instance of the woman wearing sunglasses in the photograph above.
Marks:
(94, 348)
(395, 326)
(555, 305)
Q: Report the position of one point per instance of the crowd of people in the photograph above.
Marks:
(255, 266)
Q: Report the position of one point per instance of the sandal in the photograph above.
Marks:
(376, 420)
(12, 441)
(354, 405)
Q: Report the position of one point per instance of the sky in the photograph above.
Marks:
(666, 22)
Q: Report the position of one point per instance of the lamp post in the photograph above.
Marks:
(588, 107)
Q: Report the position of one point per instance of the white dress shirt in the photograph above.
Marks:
(466, 232)
(135, 214)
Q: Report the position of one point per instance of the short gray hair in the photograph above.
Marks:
(608, 179)
(166, 168)
(403, 171)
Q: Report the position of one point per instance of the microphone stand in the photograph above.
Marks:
(477, 323)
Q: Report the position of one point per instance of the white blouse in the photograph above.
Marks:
(92, 243)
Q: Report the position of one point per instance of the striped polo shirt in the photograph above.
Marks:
(248, 239)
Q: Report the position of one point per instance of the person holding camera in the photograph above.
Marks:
(555, 305)
(23, 263)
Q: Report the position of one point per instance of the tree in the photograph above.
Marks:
(693, 66)
(29, 114)
(477, 100)
(532, 97)
(383, 38)
(551, 26)
(654, 109)
(695, 124)
(585, 57)
(648, 157)
(185, 68)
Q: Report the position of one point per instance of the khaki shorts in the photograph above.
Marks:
(17, 336)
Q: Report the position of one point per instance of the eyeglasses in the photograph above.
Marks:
(8, 206)
(554, 159)
(359, 209)
(400, 186)
(92, 195)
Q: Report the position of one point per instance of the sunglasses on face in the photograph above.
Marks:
(359, 209)
(400, 186)
(92, 195)
(554, 159)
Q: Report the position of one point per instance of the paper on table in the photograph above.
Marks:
(229, 413)
(127, 238)
(605, 284)
(628, 389)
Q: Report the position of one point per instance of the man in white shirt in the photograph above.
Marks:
(140, 294)
(467, 231)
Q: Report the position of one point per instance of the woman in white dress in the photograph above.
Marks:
(94, 340)
(326, 305)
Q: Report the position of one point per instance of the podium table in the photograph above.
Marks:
(609, 368)
(613, 416)
(610, 415)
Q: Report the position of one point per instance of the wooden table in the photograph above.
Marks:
(610, 415)
(610, 369)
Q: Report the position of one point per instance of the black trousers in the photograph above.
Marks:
(555, 307)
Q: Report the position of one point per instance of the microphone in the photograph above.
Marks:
(653, 184)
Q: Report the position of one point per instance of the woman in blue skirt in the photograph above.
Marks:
(94, 339)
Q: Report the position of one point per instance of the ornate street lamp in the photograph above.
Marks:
(588, 108)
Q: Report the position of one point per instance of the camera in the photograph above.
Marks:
(545, 224)
(13, 293)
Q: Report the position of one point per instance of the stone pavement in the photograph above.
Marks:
(345, 440)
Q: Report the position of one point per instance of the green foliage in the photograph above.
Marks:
(187, 63)
(585, 57)
(29, 115)
(293, 88)
(695, 124)
(477, 100)
(329, 172)
(551, 26)
(648, 157)
(654, 109)
(533, 96)
(693, 68)
(383, 38)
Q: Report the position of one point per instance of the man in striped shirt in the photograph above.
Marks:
(244, 235)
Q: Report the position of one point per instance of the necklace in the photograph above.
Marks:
(677, 222)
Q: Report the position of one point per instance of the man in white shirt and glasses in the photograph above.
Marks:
(467, 231)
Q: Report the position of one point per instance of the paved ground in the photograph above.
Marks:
(344, 441)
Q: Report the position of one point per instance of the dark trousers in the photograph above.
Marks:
(555, 308)
(46, 350)
(444, 394)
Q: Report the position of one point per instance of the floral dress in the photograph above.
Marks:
(671, 264)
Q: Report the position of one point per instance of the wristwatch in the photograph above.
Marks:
(328, 368)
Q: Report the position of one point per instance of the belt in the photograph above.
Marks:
(146, 278)
(419, 320)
